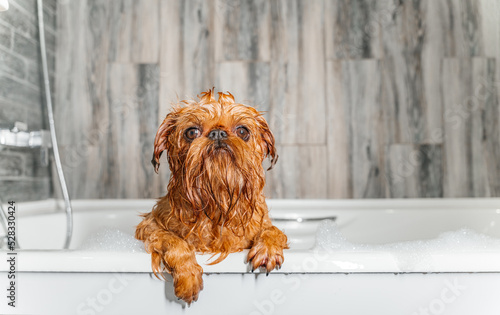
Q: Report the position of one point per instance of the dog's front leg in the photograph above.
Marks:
(176, 255)
(267, 249)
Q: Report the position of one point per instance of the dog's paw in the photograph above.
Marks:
(188, 283)
(267, 256)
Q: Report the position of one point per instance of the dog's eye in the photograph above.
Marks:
(243, 133)
(192, 133)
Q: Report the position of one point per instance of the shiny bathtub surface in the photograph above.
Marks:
(361, 221)
(41, 234)
(108, 272)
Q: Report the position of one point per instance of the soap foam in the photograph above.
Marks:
(112, 239)
(410, 255)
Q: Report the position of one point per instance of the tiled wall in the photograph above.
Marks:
(22, 173)
(367, 98)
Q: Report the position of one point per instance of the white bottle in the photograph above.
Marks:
(4, 5)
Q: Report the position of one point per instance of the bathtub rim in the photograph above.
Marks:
(296, 261)
(54, 205)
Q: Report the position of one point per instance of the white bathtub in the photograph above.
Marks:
(368, 280)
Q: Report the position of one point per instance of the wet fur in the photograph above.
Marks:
(215, 202)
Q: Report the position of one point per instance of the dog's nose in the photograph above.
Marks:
(217, 134)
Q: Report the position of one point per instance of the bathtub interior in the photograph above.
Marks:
(360, 222)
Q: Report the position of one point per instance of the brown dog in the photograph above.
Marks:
(215, 201)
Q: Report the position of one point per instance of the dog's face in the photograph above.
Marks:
(215, 149)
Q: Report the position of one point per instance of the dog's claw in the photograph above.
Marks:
(267, 258)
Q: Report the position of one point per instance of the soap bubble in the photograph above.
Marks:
(112, 239)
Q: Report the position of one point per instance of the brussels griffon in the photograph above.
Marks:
(215, 202)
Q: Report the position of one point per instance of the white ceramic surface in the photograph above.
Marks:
(336, 281)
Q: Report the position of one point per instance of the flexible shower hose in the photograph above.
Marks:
(55, 150)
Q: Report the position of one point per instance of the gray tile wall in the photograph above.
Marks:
(22, 176)
(367, 98)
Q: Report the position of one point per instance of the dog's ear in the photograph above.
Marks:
(161, 140)
(267, 143)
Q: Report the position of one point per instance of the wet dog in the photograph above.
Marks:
(215, 202)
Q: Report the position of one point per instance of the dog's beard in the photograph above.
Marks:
(220, 182)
